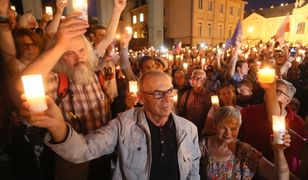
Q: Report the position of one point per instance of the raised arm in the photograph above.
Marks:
(231, 66)
(118, 7)
(70, 28)
(53, 26)
(7, 45)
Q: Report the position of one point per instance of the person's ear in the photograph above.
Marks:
(140, 98)
(238, 90)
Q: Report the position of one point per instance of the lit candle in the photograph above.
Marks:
(48, 10)
(185, 66)
(203, 60)
(34, 91)
(118, 36)
(81, 6)
(215, 100)
(133, 87)
(175, 97)
(279, 128)
(129, 29)
(298, 59)
(266, 75)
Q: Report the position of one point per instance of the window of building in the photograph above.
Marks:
(134, 19)
(200, 29)
(221, 8)
(200, 4)
(141, 17)
(239, 12)
(220, 29)
(209, 29)
(210, 6)
(300, 28)
(135, 35)
(231, 10)
(230, 31)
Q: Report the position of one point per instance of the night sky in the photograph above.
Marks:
(256, 4)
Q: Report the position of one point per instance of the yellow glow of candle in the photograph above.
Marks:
(129, 29)
(48, 10)
(203, 60)
(298, 59)
(185, 66)
(279, 128)
(118, 36)
(81, 6)
(175, 97)
(133, 87)
(34, 91)
(170, 57)
(215, 100)
(266, 75)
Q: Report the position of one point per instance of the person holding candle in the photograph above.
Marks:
(152, 142)
(278, 95)
(227, 97)
(86, 106)
(223, 156)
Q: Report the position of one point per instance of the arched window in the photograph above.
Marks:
(300, 28)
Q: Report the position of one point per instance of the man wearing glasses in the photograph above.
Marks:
(257, 124)
(152, 142)
(196, 102)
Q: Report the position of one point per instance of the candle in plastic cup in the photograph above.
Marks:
(175, 97)
(215, 100)
(133, 87)
(185, 66)
(266, 75)
(34, 91)
(81, 6)
(279, 128)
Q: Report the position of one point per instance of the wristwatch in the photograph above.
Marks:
(4, 19)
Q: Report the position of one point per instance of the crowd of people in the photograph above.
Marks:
(96, 128)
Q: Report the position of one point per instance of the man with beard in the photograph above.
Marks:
(152, 142)
(85, 107)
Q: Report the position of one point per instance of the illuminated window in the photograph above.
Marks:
(135, 34)
(221, 9)
(210, 6)
(134, 19)
(209, 29)
(200, 29)
(300, 28)
(221, 31)
(200, 4)
(141, 17)
(231, 10)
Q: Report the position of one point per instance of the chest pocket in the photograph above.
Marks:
(135, 153)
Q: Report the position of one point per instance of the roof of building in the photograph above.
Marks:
(274, 12)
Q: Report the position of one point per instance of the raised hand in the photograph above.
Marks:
(120, 4)
(4, 6)
(61, 4)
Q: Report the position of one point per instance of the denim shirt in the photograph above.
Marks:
(130, 133)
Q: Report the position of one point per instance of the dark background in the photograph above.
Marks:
(256, 4)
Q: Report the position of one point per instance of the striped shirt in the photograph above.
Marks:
(197, 107)
(86, 102)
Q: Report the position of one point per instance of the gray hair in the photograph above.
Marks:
(198, 71)
(229, 114)
(291, 89)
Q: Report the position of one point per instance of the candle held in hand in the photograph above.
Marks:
(215, 100)
(279, 128)
(266, 75)
(81, 6)
(133, 87)
(34, 91)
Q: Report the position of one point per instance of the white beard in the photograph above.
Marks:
(81, 74)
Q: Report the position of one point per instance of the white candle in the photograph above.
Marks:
(48, 10)
(185, 66)
(129, 29)
(81, 6)
(34, 91)
(133, 87)
(266, 75)
(215, 100)
(279, 128)
(175, 97)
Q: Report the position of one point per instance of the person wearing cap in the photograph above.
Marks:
(161, 64)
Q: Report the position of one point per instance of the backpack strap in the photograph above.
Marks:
(62, 87)
(101, 79)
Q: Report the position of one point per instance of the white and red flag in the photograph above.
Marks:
(284, 27)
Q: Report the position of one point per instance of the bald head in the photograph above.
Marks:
(151, 77)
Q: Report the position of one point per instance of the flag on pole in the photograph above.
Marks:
(178, 47)
(238, 32)
(284, 27)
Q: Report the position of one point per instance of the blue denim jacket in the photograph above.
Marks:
(129, 132)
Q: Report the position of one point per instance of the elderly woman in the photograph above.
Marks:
(225, 157)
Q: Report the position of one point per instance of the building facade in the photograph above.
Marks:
(264, 23)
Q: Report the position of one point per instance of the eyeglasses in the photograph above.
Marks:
(161, 94)
(197, 78)
(279, 92)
